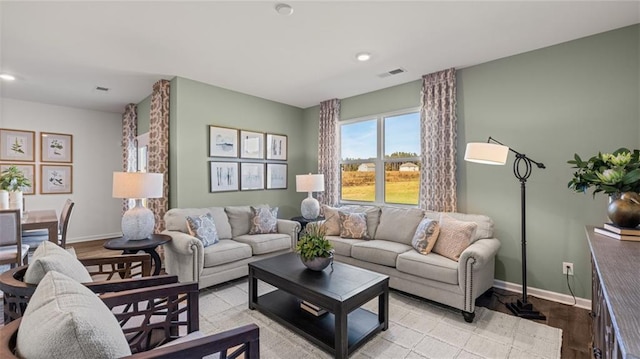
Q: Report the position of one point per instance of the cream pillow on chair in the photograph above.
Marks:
(51, 257)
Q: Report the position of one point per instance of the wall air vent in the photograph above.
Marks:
(100, 88)
(397, 71)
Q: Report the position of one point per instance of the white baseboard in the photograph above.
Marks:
(94, 237)
(543, 294)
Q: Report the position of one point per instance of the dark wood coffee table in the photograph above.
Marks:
(341, 291)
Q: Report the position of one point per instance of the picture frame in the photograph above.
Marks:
(277, 147)
(17, 145)
(276, 176)
(223, 142)
(251, 176)
(56, 147)
(251, 144)
(29, 171)
(223, 176)
(56, 179)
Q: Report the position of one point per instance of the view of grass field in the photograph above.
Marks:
(400, 187)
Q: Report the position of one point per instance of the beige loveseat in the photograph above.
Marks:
(432, 276)
(187, 258)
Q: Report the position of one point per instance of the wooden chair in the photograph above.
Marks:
(154, 316)
(110, 274)
(12, 250)
(34, 237)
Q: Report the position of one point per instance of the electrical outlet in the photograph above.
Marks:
(566, 266)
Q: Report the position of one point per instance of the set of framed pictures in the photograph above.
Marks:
(17, 146)
(247, 174)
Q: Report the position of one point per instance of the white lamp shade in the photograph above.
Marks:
(486, 153)
(310, 183)
(136, 185)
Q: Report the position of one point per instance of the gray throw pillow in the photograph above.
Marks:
(264, 220)
(51, 257)
(64, 320)
(353, 225)
(426, 235)
(204, 228)
(455, 236)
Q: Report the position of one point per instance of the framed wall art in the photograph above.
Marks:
(17, 145)
(251, 144)
(56, 147)
(29, 172)
(276, 176)
(251, 176)
(224, 176)
(223, 142)
(276, 147)
(56, 179)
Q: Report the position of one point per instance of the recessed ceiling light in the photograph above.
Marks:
(363, 56)
(7, 77)
(284, 9)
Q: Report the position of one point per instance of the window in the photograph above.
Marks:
(380, 158)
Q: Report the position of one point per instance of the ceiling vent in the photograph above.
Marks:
(397, 71)
(103, 89)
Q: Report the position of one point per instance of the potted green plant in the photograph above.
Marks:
(14, 181)
(315, 250)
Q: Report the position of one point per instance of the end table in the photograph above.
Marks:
(128, 246)
(304, 221)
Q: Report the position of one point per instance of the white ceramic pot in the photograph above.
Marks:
(15, 200)
(4, 199)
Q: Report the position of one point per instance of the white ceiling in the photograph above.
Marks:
(60, 51)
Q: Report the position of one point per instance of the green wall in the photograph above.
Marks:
(143, 111)
(580, 96)
(195, 106)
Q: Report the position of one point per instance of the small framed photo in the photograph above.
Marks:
(56, 147)
(276, 176)
(223, 142)
(29, 172)
(251, 176)
(276, 147)
(251, 144)
(56, 179)
(17, 145)
(223, 176)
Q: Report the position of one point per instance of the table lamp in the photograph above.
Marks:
(137, 222)
(310, 207)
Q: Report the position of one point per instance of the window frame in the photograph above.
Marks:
(378, 161)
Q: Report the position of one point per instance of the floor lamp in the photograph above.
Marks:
(493, 152)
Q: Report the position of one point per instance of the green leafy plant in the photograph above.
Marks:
(313, 244)
(610, 173)
(12, 179)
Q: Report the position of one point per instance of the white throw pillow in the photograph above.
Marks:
(51, 257)
(64, 320)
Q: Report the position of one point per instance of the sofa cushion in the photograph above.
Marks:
(51, 257)
(203, 228)
(226, 251)
(455, 236)
(379, 252)
(485, 224)
(426, 235)
(240, 219)
(432, 266)
(64, 319)
(265, 243)
(342, 246)
(175, 219)
(264, 220)
(353, 225)
(398, 224)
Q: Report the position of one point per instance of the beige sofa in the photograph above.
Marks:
(186, 257)
(431, 276)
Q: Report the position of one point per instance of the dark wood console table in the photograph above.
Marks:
(615, 299)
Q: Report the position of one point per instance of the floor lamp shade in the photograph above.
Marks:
(310, 207)
(138, 222)
(486, 153)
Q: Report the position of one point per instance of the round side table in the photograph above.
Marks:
(148, 245)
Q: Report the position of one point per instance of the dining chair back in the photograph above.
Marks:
(12, 251)
(63, 224)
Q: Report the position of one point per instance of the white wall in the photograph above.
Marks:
(96, 154)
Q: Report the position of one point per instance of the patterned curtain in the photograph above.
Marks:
(328, 155)
(438, 142)
(129, 145)
(159, 148)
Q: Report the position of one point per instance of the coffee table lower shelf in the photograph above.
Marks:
(285, 309)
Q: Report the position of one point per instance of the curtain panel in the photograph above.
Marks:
(129, 144)
(438, 136)
(328, 156)
(159, 148)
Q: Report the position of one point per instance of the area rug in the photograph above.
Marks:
(418, 329)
